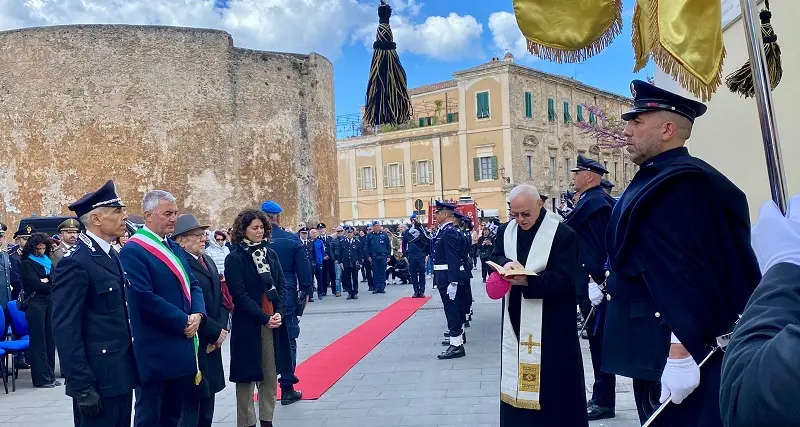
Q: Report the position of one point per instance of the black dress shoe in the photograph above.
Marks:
(355, 296)
(447, 334)
(23, 365)
(56, 383)
(595, 412)
(290, 396)
(452, 352)
(51, 385)
(349, 297)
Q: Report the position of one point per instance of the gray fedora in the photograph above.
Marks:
(186, 223)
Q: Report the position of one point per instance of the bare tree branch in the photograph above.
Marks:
(608, 131)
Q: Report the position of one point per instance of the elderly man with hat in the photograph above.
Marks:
(589, 219)
(680, 273)
(606, 185)
(378, 248)
(199, 406)
(448, 243)
(297, 271)
(67, 236)
(90, 313)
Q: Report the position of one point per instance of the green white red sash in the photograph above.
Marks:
(152, 244)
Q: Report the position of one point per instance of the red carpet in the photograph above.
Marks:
(321, 371)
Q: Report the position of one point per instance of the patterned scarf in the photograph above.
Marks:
(259, 253)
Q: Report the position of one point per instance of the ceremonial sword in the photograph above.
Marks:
(594, 307)
(722, 342)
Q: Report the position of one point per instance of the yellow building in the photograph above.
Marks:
(473, 138)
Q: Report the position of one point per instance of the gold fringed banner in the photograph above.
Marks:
(684, 37)
(568, 30)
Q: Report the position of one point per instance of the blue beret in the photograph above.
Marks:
(413, 216)
(647, 97)
(271, 207)
(587, 164)
(376, 222)
(105, 196)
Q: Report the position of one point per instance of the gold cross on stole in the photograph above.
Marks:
(530, 344)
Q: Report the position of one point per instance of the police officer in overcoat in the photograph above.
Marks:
(682, 268)
(589, 220)
(447, 267)
(90, 313)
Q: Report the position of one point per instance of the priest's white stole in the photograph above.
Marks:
(521, 359)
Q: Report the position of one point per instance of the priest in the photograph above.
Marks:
(542, 380)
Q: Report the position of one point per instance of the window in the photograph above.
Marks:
(592, 119)
(366, 178)
(483, 105)
(529, 163)
(552, 168)
(484, 168)
(425, 121)
(615, 171)
(567, 167)
(421, 172)
(393, 175)
(452, 117)
(605, 165)
(624, 172)
(528, 105)
(551, 110)
(580, 112)
(567, 117)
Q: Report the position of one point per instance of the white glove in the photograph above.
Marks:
(595, 293)
(776, 238)
(679, 379)
(451, 290)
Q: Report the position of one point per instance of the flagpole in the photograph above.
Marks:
(766, 107)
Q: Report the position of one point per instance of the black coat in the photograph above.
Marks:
(90, 318)
(350, 254)
(32, 274)
(215, 321)
(760, 370)
(246, 290)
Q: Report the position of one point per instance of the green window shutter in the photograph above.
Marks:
(580, 112)
(494, 167)
(449, 117)
(421, 121)
(476, 168)
(567, 117)
(528, 105)
(592, 119)
(483, 105)
(551, 110)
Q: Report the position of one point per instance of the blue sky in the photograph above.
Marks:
(435, 37)
(611, 70)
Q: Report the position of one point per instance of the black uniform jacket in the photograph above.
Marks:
(589, 220)
(681, 262)
(215, 321)
(350, 254)
(90, 321)
(760, 370)
(447, 247)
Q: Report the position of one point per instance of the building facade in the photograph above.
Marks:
(473, 138)
(728, 136)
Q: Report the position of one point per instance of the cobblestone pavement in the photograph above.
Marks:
(399, 383)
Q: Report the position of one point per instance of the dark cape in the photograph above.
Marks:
(563, 390)
(681, 262)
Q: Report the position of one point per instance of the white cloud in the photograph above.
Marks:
(322, 26)
(506, 36)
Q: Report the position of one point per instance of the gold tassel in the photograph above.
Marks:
(675, 67)
(562, 54)
(198, 376)
(741, 81)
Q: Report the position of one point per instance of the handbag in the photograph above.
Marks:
(24, 300)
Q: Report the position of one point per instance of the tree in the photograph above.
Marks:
(607, 130)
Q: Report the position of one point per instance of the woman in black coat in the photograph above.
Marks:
(485, 247)
(259, 339)
(35, 268)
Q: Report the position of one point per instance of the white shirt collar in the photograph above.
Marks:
(105, 246)
(154, 233)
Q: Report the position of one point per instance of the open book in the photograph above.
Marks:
(507, 273)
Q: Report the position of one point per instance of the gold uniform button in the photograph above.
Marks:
(608, 297)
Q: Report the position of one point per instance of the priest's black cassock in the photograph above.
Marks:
(560, 393)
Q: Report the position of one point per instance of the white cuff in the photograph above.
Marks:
(457, 341)
(674, 340)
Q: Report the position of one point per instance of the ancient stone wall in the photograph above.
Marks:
(178, 109)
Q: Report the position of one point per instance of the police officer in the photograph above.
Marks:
(447, 265)
(682, 268)
(414, 246)
(299, 284)
(464, 225)
(67, 237)
(589, 219)
(21, 237)
(378, 249)
(90, 313)
(606, 185)
(349, 258)
(308, 246)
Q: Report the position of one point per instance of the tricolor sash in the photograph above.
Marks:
(154, 246)
(521, 356)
